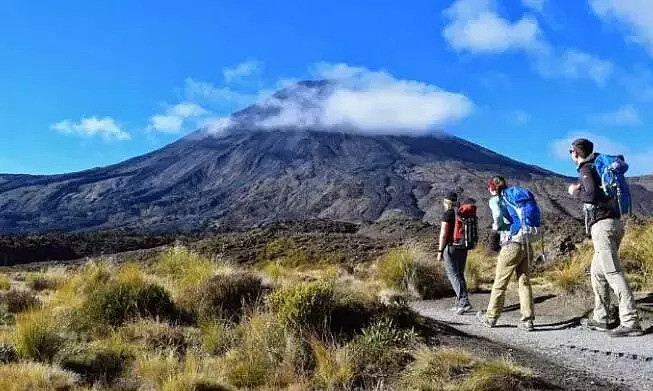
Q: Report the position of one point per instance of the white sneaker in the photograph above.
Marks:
(465, 308)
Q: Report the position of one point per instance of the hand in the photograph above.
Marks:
(574, 189)
(439, 256)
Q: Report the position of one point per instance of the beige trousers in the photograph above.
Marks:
(512, 258)
(607, 273)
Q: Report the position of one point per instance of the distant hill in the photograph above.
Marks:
(248, 176)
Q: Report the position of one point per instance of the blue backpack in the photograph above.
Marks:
(612, 173)
(524, 212)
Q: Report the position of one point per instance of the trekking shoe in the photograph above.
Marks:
(526, 325)
(463, 309)
(622, 331)
(597, 326)
(485, 321)
(454, 309)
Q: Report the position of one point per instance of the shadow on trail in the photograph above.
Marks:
(537, 300)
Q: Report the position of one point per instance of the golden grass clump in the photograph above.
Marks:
(5, 282)
(31, 376)
(497, 375)
(411, 269)
(37, 335)
(435, 369)
(637, 248)
(572, 275)
(480, 269)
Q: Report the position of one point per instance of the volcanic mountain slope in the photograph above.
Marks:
(247, 176)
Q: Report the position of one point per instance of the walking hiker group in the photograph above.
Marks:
(516, 224)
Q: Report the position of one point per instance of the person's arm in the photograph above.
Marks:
(495, 208)
(444, 233)
(587, 189)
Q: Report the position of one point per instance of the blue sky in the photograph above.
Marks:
(86, 84)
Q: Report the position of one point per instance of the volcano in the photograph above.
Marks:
(247, 175)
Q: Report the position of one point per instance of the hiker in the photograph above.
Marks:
(455, 257)
(606, 229)
(511, 236)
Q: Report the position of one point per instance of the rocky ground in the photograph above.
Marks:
(586, 359)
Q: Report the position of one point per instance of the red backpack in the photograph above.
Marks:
(465, 233)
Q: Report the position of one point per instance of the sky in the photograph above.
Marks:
(87, 84)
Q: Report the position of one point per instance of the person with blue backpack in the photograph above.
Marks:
(603, 190)
(515, 223)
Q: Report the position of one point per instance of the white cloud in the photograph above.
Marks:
(476, 26)
(241, 71)
(636, 16)
(207, 92)
(639, 160)
(536, 5)
(575, 65)
(368, 101)
(626, 115)
(92, 126)
(175, 116)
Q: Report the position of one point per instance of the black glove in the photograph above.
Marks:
(494, 244)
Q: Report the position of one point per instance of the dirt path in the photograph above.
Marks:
(560, 338)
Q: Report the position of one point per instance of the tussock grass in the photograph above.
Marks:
(37, 335)
(5, 282)
(498, 375)
(186, 268)
(572, 275)
(435, 369)
(334, 366)
(47, 280)
(637, 249)
(411, 269)
(30, 376)
(480, 269)
(217, 337)
(100, 362)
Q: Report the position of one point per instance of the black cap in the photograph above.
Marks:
(583, 147)
(451, 196)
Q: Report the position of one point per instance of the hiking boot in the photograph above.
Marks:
(485, 321)
(466, 308)
(526, 325)
(454, 309)
(599, 326)
(623, 331)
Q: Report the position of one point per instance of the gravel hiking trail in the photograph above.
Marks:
(560, 336)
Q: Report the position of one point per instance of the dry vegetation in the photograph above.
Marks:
(188, 322)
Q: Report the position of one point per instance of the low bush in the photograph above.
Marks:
(305, 306)
(158, 336)
(187, 268)
(429, 280)
(37, 335)
(217, 338)
(114, 303)
(40, 281)
(18, 300)
(395, 269)
(98, 363)
(31, 376)
(334, 366)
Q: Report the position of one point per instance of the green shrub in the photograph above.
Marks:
(37, 336)
(304, 306)
(115, 303)
(18, 300)
(95, 365)
(224, 296)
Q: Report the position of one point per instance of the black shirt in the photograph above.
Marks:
(449, 217)
(591, 193)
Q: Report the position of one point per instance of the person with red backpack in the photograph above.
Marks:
(457, 236)
(516, 219)
(603, 208)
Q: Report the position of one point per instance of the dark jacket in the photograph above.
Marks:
(598, 205)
